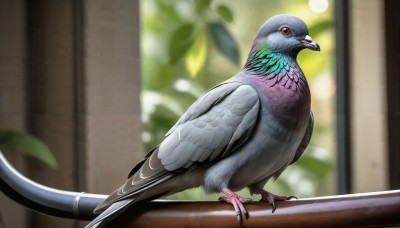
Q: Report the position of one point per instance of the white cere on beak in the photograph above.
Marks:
(308, 38)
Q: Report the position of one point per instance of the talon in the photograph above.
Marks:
(273, 206)
(271, 198)
(239, 219)
(246, 214)
(237, 203)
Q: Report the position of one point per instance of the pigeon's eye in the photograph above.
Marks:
(285, 30)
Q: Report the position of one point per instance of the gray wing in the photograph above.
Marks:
(212, 128)
(306, 138)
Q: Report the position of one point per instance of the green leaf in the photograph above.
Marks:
(224, 42)
(225, 13)
(28, 145)
(196, 56)
(167, 8)
(314, 165)
(202, 5)
(180, 42)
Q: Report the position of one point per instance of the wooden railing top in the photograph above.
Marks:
(354, 210)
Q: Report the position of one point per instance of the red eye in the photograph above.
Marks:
(285, 30)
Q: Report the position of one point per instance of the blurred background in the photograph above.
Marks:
(88, 87)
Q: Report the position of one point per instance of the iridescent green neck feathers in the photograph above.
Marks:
(263, 61)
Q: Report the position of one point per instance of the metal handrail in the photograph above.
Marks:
(368, 209)
(66, 204)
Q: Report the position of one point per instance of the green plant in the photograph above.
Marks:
(13, 141)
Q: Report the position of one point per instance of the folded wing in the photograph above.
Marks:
(211, 129)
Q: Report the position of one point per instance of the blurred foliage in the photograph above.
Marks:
(13, 141)
(188, 46)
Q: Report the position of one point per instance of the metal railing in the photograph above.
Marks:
(375, 209)
(66, 204)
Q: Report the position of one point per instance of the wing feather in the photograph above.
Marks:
(224, 119)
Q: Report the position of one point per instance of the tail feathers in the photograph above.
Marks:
(113, 211)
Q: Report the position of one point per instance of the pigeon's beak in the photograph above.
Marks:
(309, 43)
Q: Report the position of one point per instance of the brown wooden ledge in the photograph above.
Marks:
(377, 209)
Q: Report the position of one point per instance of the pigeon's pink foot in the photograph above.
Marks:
(237, 203)
(271, 198)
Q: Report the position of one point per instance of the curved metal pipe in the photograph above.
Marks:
(66, 204)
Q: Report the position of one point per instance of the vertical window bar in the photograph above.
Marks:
(342, 96)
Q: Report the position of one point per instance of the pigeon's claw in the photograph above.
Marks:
(240, 220)
(237, 203)
(271, 198)
(268, 197)
(273, 204)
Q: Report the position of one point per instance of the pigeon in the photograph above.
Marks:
(241, 133)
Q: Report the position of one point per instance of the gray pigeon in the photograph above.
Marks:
(241, 133)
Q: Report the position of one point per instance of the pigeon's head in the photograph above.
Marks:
(285, 34)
